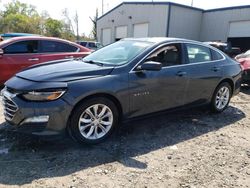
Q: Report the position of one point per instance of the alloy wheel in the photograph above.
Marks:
(222, 97)
(95, 122)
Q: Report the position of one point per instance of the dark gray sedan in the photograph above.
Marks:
(130, 78)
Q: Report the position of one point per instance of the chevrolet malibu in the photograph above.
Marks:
(133, 77)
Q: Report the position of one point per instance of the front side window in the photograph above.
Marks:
(54, 46)
(169, 55)
(22, 47)
(118, 53)
(198, 54)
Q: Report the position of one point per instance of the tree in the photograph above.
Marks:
(94, 21)
(53, 28)
(24, 18)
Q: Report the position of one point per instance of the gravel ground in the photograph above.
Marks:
(181, 149)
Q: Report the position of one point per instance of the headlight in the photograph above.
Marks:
(43, 95)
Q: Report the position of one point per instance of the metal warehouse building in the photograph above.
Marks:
(166, 19)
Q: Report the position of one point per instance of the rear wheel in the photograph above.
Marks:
(221, 97)
(93, 120)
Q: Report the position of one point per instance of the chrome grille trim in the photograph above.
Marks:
(9, 106)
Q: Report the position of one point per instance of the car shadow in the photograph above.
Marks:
(245, 89)
(30, 159)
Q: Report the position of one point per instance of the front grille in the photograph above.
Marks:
(9, 108)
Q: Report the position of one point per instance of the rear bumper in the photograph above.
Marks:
(246, 77)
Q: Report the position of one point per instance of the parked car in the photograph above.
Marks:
(11, 35)
(226, 48)
(90, 44)
(244, 60)
(133, 77)
(20, 52)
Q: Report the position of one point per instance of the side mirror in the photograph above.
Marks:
(150, 66)
(1, 52)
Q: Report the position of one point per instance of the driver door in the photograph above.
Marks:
(152, 91)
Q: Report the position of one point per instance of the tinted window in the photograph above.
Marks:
(54, 46)
(22, 47)
(216, 55)
(197, 53)
(92, 45)
(83, 43)
(168, 55)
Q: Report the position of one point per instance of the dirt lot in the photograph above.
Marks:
(184, 149)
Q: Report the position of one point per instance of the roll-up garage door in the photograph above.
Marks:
(141, 30)
(239, 29)
(106, 36)
(121, 32)
(239, 34)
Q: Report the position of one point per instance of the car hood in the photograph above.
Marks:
(63, 70)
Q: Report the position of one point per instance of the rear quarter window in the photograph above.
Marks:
(216, 55)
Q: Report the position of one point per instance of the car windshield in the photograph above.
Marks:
(118, 53)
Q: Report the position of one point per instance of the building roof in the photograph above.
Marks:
(175, 4)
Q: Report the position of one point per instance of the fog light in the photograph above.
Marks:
(36, 119)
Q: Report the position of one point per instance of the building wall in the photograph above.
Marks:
(185, 23)
(129, 14)
(215, 24)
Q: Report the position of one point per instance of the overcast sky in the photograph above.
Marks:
(87, 8)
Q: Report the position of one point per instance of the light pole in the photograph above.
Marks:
(192, 3)
(102, 6)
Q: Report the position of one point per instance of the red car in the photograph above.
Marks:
(244, 60)
(21, 52)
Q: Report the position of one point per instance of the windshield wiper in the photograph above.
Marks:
(93, 62)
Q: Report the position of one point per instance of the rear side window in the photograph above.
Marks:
(22, 47)
(198, 54)
(216, 55)
(92, 45)
(54, 46)
(83, 43)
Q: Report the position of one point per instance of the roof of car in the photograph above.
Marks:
(14, 39)
(17, 34)
(158, 39)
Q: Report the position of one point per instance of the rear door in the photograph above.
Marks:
(204, 73)
(54, 50)
(18, 56)
(152, 91)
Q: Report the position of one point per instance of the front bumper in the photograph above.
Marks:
(36, 118)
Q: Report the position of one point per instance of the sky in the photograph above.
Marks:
(87, 8)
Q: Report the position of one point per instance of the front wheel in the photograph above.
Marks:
(221, 97)
(93, 120)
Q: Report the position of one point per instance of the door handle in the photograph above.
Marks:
(33, 59)
(69, 57)
(181, 73)
(215, 69)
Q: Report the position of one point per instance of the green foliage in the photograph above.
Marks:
(24, 18)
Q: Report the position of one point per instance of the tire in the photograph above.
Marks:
(93, 120)
(221, 97)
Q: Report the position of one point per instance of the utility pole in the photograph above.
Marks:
(102, 6)
(192, 3)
